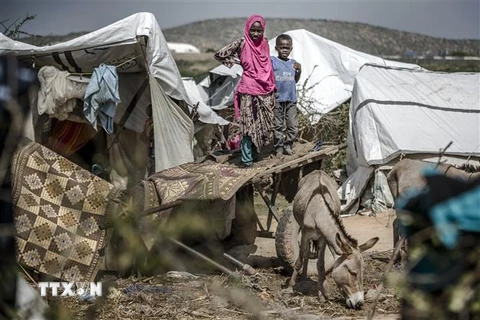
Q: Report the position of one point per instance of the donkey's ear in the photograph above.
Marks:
(367, 245)
(344, 246)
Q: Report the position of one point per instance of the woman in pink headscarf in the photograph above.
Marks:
(255, 92)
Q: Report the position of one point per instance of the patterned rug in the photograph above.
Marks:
(201, 181)
(58, 209)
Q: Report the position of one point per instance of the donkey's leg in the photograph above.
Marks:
(322, 289)
(298, 264)
(306, 257)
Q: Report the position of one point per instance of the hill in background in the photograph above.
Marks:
(213, 34)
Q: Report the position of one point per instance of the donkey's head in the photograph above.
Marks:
(348, 269)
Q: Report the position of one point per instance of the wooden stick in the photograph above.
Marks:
(398, 246)
(271, 209)
(27, 274)
(277, 178)
(202, 256)
(245, 267)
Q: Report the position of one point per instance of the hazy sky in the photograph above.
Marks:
(452, 19)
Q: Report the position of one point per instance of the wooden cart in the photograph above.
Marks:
(313, 158)
(286, 234)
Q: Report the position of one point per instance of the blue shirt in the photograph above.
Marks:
(284, 80)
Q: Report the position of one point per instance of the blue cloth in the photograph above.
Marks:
(249, 151)
(455, 214)
(284, 80)
(102, 97)
(449, 215)
(451, 206)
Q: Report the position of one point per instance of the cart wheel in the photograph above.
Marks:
(287, 242)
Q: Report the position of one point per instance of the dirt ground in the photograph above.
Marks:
(361, 227)
(180, 295)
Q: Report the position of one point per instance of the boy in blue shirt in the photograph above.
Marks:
(287, 73)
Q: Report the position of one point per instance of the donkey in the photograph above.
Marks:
(407, 173)
(316, 208)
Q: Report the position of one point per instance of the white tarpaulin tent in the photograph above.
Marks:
(137, 47)
(328, 68)
(192, 89)
(138, 34)
(218, 88)
(413, 113)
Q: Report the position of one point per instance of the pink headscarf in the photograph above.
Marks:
(257, 77)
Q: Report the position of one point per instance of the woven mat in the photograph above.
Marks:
(58, 209)
(201, 181)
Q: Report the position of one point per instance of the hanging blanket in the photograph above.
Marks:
(102, 97)
(58, 209)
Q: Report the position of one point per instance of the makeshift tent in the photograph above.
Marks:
(415, 113)
(217, 89)
(328, 71)
(192, 89)
(137, 47)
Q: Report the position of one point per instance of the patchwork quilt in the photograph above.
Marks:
(58, 209)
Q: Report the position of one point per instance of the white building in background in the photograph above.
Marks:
(178, 47)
